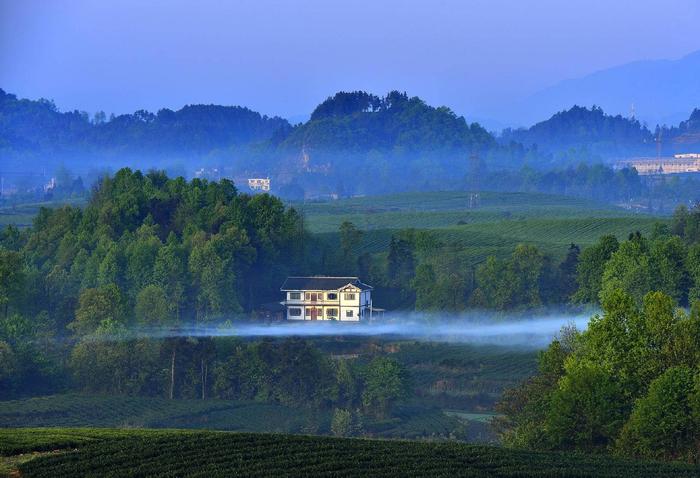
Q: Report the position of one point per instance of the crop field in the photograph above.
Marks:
(427, 210)
(465, 377)
(495, 227)
(112, 453)
(76, 410)
(22, 215)
(444, 376)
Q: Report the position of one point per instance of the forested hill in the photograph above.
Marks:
(37, 128)
(360, 122)
(687, 132)
(399, 141)
(607, 135)
(580, 126)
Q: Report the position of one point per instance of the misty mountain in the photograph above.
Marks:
(686, 135)
(591, 128)
(360, 122)
(30, 129)
(660, 90)
(400, 142)
(606, 136)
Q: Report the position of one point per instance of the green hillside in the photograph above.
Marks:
(415, 421)
(445, 378)
(448, 208)
(111, 453)
(495, 226)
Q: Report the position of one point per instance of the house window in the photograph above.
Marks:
(314, 296)
(332, 296)
(348, 313)
(294, 295)
(332, 313)
(295, 312)
(350, 296)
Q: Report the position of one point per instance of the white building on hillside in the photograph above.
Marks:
(327, 298)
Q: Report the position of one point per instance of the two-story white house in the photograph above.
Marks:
(327, 298)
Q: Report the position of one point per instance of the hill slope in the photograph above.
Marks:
(590, 128)
(37, 128)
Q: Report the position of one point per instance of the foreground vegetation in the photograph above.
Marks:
(629, 384)
(176, 453)
(452, 390)
(410, 421)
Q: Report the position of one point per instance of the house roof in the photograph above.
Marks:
(322, 283)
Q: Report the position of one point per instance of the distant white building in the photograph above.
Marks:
(327, 298)
(259, 184)
(678, 164)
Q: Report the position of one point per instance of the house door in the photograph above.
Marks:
(314, 313)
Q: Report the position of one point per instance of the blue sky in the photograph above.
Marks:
(284, 57)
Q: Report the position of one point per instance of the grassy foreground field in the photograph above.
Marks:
(131, 453)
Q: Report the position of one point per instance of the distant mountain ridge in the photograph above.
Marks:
(591, 128)
(658, 89)
(347, 132)
(29, 128)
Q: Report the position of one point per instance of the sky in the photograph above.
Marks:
(285, 57)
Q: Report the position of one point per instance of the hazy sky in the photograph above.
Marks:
(284, 57)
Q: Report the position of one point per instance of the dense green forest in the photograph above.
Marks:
(630, 383)
(580, 126)
(148, 251)
(38, 131)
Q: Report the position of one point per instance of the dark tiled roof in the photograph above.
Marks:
(322, 283)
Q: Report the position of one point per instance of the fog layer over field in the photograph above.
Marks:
(532, 331)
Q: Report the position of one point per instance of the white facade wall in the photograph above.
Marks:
(351, 304)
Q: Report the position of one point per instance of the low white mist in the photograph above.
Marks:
(522, 331)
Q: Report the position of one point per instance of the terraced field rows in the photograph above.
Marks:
(120, 411)
(552, 236)
(212, 454)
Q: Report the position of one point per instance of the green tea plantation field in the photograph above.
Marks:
(495, 226)
(427, 210)
(121, 453)
(415, 420)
